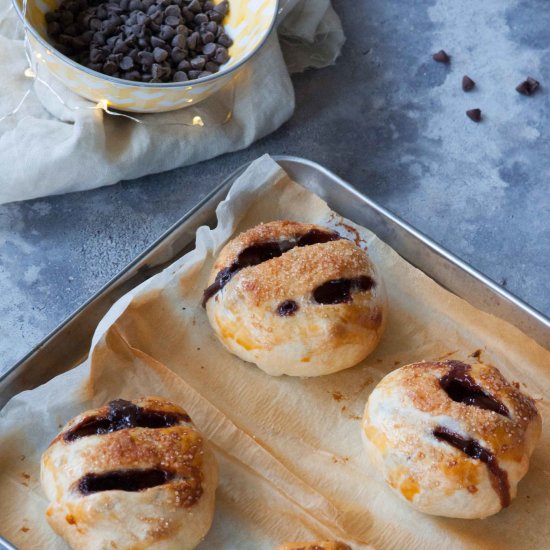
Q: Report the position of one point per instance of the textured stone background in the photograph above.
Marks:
(385, 117)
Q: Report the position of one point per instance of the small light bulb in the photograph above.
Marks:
(103, 104)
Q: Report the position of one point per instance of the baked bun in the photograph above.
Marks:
(130, 475)
(296, 299)
(451, 439)
(317, 545)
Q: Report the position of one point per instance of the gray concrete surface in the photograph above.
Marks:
(385, 117)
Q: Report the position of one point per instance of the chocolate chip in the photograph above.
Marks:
(121, 47)
(110, 68)
(184, 65)
(212, 66)
(441, 57)
(179, 41)
(207, 37)
(193, 75)
(157, 71)
(166, 32)
(99, 38)
(127, 63)
(287, 308)
(198, 62)
(53, 28)
(157, 42)
(160, 55)
(95, 24)
(201, 18)
(194, 6)
(187, 15)
(467, 83)
(173, 10)
(178, 55)
(183, 30)
(132, 75)
(221, 55)
(172, 20)
(224, 40)
(222, 7)
(180, 76)
(209, 49)
(145, 58)
(193, 40)
(474, 114)
(528, 87)
(215, 16)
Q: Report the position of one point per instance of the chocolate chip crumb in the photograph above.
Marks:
(441, 57)
(528, 87)
(467, 83)
(287, 308)
(474, 114)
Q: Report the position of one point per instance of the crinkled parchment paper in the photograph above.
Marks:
(291, 460)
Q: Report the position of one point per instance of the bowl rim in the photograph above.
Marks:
(151, 85)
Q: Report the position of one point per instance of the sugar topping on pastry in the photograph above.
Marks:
(315, 545)
(130, 474)
(296, 299)
(450, 438)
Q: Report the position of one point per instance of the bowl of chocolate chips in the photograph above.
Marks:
(146, 56)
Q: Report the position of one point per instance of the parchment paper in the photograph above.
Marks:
(292, 465)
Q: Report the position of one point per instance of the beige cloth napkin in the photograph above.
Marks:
(49, 148)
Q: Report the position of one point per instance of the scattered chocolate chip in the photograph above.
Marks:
(528, 87)
(467, 83)
(441, 57)
(474, 114)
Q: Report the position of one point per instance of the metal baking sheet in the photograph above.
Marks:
(68, 344)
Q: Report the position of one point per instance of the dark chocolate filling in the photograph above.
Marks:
(123, 480)
(471, 447)
(462, 388)
(262, 252)
(124, 414)
(338, 291)
(287, 308)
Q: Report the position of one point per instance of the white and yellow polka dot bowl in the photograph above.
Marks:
(248, 23)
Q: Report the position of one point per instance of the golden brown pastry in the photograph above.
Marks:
(451, 439)
(296, 299)
(130, 475)
(317, 545)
